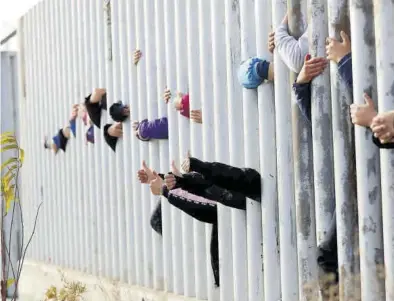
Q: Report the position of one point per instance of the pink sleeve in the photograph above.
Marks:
(185, 106)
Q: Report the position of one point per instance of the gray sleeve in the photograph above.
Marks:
(291, 50)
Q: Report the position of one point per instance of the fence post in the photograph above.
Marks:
(344, 166)
(367, 155)
(176, 229)
(206, 86)
(252, 159)
(384, 12)
(194, 72)
(284, 143)
(163, 144)
(221, 148)
(236, 139)
(269, 193)
(143, 147)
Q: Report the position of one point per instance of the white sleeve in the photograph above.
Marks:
(291, 50)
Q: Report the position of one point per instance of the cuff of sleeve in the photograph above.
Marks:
(299, 88)
(196, 165)
(344, 60)
(165, 191)
(382, 145)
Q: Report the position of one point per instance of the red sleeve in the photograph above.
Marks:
(185, 111)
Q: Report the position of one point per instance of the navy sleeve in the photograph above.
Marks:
(262, 69)
(345, 70)
(303, 98)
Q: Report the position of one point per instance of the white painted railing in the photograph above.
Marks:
(96, 215)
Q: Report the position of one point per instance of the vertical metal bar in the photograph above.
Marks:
(235, 109)
(384, 13)
(196, 138)
(61, 119)
(303, 179)
(184, 143)
(32, 97)
(74, 149)
(321, 123)
(152, 112)
(136, 209)
(53, 128)
(163, 144)
(65, 107)
(252, 158)
(176, 234)
(269, 193)
(118, 192)
(205, 48)
(142, 111)
(88, 149)
(69, 100)
(368, 177)
(112, 92)
(287, 210)
(344, 166)
(125, 65)
(81, 149)
(95, 183)
(218, 31)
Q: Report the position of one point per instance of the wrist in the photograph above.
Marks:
(373, 115)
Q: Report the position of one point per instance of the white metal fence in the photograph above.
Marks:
(96, 215)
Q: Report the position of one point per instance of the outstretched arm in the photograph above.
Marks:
(291, 50)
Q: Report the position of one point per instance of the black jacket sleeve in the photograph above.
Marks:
(198, 207)
(246, 181)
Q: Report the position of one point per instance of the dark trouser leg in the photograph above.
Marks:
(215, 254)
(243, 180)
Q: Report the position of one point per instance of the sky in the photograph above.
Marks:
(10, 11)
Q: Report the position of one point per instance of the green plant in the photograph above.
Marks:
(10, 201)
(71, 291)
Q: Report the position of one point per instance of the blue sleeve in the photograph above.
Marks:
(155, 129)
(345, 70)
(73, 126)
(303, 98)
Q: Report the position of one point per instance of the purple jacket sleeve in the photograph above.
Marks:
(303, 98)
(155, 129)
(345, 70)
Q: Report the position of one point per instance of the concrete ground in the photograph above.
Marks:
(37, 278)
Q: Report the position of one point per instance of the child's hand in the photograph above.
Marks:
(336, 50)
(196, 116)
(285, 19)
(363, 114)
(169, 181)
(175, 170)
(74, 112)
(186, 163)
(145, 175)
(271, 42)
(156, 185)
(383, 126)
(167, 95)
(137, 56)
(116, 130)
(312, 68)
(135, 128)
